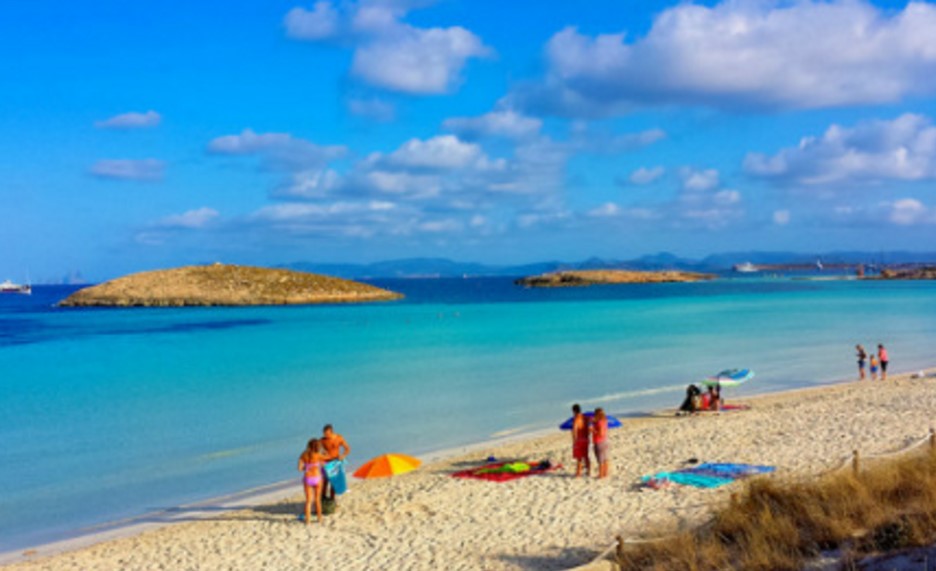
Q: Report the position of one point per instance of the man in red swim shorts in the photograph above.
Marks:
(580, 434)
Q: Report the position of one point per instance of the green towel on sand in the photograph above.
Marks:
(514, 468)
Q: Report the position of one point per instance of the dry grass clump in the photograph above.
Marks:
(778, 524)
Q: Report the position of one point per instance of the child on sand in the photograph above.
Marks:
(873, 367)
(580, 441)
(310, 464)
(600, 438)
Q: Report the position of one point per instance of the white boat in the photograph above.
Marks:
(746, 268)
(10, 287)
(819, 264)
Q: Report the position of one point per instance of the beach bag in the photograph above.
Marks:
(328, 506)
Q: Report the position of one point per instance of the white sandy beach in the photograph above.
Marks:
(429, 520)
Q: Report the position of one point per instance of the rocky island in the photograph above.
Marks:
(922, 273)
(221, 284)
(577, 278)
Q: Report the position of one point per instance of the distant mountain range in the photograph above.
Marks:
(442, 267)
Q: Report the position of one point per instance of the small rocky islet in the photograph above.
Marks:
(580, 278)
(225, 285)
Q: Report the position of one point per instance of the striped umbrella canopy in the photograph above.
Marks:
(387, 465)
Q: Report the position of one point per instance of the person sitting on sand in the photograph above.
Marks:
(600, 438)
(860, 353)
(873, 367)
(311, 463)
(882, 356)
(691, 403)
(580, 441)
(711, 400)
(333, 444)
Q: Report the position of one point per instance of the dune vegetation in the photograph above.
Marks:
(778, 524)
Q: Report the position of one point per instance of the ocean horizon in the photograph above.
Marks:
(112, 413)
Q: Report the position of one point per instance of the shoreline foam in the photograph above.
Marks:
(277, 495)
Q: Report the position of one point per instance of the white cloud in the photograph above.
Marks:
(606, 210)
(504, 123)
(281, 150)
(440, 152)
(762, 54)
(129, 169)
(909, 212)
(132, 120)
(191, 219)
(645, 175)
(781, 217)
(374, 109)
(388, 52)
(872, 151)
(316, 183)
(320, 23)
(699, 180)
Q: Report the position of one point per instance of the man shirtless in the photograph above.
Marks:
(333, 444)
(580, 441)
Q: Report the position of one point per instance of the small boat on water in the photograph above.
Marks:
(745, 268)
(10, 287)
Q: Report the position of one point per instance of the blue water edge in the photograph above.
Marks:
(111, 413)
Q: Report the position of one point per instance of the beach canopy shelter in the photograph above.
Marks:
(612, 422)
(387, 465)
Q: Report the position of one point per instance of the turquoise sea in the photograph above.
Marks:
(111, 413)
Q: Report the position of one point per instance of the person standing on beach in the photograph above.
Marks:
(882, 357)
(872, 367)
(862, 356)
(580, 441)
(600, 438)
(333, 444)
(310, 464)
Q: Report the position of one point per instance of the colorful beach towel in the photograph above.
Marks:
(708, 475)
(506, 471)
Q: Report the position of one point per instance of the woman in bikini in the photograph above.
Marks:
(310, 464)
(600, 439)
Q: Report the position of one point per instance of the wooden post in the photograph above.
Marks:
(855, 462)
(619, 560)
(932, 440)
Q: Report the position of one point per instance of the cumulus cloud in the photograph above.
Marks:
(644, 175)
(909, 212)
(374, 109)
(871, 151)
(132, 120)
(191, 219)
(129, 169)
(699, 180)
(440, 152)
(756, 54)
(505, 123)
(389, 53)
(280, 150)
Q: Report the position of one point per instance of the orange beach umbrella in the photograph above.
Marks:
(387, 465)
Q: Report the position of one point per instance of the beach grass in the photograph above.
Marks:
(782, 523)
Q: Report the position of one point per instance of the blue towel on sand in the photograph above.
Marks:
(709, 475)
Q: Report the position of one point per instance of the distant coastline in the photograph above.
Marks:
(225, 285)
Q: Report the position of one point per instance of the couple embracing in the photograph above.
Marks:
(590, 429)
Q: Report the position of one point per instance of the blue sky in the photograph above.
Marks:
(143, 135)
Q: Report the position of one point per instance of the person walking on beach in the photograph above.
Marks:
(862, 356)
(333, 443)
(580, 441)
(310, 464)
(882, 357)
(873, 367)
(600, 438)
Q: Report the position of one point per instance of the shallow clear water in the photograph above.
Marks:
(111, 413)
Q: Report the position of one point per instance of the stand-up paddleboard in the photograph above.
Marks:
(729, 378)
(336, 476)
